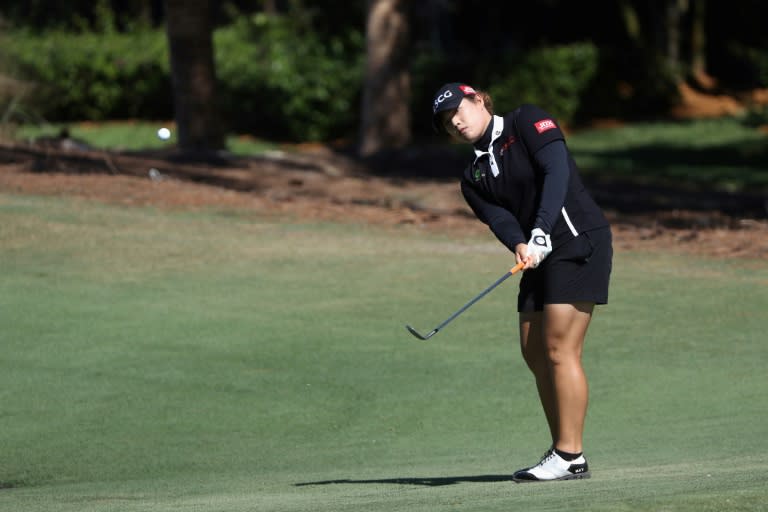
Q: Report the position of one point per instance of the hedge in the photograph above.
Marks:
(274, 82)
(92, 76)
(279, 83)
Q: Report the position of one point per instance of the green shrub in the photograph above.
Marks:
(274, 80)
(551, 77)
(277, 79)
(756, 61)
(93, 76)
(756, 115)
(280, 82)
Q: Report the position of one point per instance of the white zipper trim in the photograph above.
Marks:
(498, 127)
(568, 221)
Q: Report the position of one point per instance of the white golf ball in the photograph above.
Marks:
(164, 133)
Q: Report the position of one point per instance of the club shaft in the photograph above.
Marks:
(480, 296)
(466, 306)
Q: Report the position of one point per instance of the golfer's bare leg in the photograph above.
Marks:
(564, 328)
(535, 355)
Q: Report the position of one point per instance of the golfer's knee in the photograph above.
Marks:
(558, 353)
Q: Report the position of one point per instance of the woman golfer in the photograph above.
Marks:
(523, 183)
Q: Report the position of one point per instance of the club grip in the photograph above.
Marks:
(517, 268)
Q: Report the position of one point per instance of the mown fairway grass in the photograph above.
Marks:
(727, 154)
(215, 361)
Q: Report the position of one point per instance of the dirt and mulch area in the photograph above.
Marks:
(413, 188)
(416, 189)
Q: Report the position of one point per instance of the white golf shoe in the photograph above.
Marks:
(553, 467)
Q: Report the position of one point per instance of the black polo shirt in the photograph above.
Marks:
(518, 186)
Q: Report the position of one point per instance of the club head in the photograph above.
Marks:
(416, 333)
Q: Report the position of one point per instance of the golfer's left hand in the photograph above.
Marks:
(539, 247)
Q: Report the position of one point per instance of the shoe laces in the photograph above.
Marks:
(547, 456)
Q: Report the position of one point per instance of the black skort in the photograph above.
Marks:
(577, 271)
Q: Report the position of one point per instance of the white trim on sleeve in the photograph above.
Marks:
(568, 221)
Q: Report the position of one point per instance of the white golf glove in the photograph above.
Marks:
(539, 246)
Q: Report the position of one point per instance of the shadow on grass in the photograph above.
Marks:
(728, 180)
(422, 481)
(12, 484)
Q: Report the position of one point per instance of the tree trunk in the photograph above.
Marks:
(699, 41)
(190, 40)
(270, 7)
(385, 110)
(675, 10)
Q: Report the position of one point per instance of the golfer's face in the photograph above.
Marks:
(469, 121)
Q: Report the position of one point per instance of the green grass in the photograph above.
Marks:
(218, 361)
(131, 136)
(723, 154)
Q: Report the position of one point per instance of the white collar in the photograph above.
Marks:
(498, 127)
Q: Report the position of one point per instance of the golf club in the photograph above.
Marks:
(466, 306)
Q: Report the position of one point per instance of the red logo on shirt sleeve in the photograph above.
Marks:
(544, 125)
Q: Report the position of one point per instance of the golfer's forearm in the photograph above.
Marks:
(552, 159)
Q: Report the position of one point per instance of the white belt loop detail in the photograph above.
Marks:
(568, 221)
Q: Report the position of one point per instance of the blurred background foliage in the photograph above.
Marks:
(293, 70)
